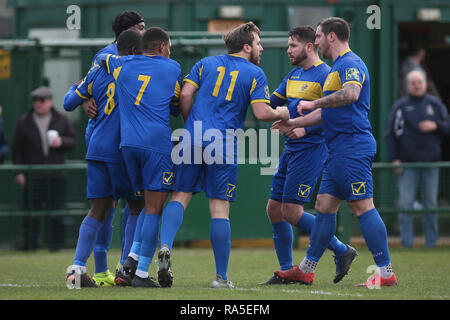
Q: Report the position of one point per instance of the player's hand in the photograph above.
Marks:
(304, 106)
(90, 108)
(427, 126)
(283, 126)
(296, 133)
(283, 113)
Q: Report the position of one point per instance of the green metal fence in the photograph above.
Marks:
(67, 200)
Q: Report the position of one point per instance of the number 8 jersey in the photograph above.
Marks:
(226, 84)
(148, 88)
(105, 134)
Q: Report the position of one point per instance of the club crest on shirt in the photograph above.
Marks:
(430, 110)
(352, 74)
(304, 87)
(267, 92)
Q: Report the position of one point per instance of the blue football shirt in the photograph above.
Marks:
(347, 129)
(227, 84)
(299, 85)
(105, 136)
(147, 86)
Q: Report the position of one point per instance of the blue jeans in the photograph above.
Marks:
(410, 181)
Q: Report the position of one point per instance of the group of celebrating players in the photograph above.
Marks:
(136, 87)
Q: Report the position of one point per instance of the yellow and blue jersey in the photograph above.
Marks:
(347, 129)
(111, 48)
(105, 135)
(227, 84)
(299, 85)
(147, 86)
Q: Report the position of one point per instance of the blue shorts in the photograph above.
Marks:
(297, 174)
(219, 181)
(348, 177)
(148, 170)
(106, 179)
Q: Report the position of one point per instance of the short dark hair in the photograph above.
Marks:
(153, 38)
(125, 20)
(337, 25)
(239, 36)
(128, 40)
(304, 34)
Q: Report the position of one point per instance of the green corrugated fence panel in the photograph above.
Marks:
(247, 215)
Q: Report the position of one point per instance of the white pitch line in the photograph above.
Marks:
(325, 293)
(14, 285)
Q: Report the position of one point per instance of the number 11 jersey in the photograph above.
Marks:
(227, 84)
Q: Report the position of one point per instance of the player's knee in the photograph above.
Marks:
(291, 212)
(358, 207)
(273, 210)
(136, 206)
(182, 197)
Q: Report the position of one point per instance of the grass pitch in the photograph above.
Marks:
(422, 275)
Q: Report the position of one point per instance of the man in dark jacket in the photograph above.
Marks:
(42, 136)
(416, 125)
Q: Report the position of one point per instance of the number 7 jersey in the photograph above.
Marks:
(226, 84)
(147, 87)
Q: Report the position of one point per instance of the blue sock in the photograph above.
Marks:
(103, 243)
(128, 237)
(149, 234)
(323, 230)
(86, 240)
(125, 214)
(375, 234)
(282, 240)
(171, 220)
(220, 236)
(306, 223)
(136, 246)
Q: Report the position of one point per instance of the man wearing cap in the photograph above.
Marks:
(42, 136)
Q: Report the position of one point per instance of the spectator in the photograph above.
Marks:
(414, 134)
(415, 61)
(42, 136)
(3, 144)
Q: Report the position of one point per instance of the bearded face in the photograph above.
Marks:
(257, 49)
(322, 43)
(296, 51)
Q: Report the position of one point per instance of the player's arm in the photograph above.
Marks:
(77, 94)
(110, 62)
(264, 112)
(311, 119)
(175, 103)
(277, 99)
(348, 94)
(261, 100)
(187, 98)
